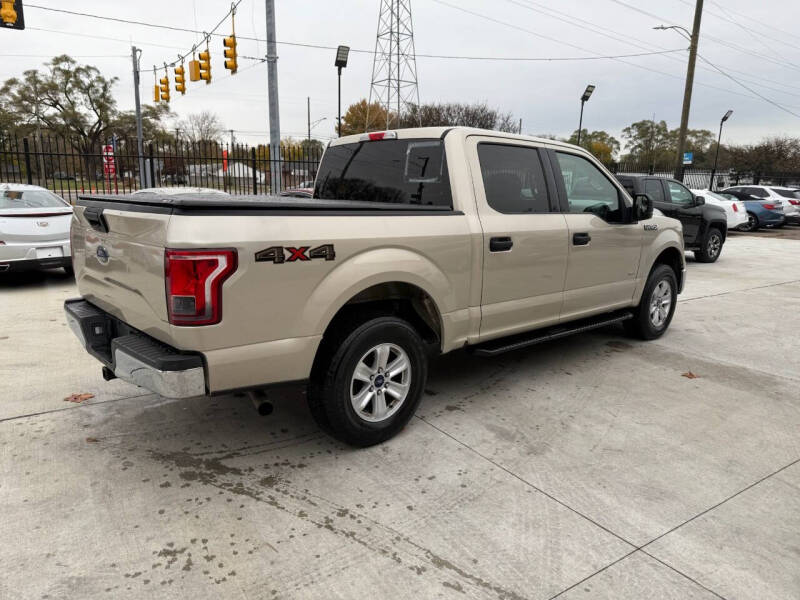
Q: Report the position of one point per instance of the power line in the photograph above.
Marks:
(650, 69)
(625, 38)
(710, 37)
(325, 47)
(749, 89)
(206, 34)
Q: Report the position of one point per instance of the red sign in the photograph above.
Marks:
(224, 161)
(109, 169)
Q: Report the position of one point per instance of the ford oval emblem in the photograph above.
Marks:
(102, 254)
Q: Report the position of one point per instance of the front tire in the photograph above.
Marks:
(712, 247)
(368, 380)
(657, 306)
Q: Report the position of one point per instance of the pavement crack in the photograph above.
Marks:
(757, 287)
(76, 406)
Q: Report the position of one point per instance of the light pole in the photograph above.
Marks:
(342, 53)
(725, 117)
(687, 91)
(587, 93)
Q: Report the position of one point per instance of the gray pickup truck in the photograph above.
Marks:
(416, 242)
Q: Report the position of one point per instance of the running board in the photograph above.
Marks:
(524, 340)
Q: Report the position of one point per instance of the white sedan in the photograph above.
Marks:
(34, 229)
(735, 210)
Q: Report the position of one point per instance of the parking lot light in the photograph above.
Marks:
(587, 93)
(725, 117)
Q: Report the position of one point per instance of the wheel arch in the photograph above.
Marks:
(413, 287)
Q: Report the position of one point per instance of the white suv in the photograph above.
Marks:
(789, 198)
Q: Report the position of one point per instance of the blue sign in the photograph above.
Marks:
(687, 158)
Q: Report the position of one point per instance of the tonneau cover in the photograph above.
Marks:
(216, 202)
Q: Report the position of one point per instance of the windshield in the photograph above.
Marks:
(30, 199)
(793, 194)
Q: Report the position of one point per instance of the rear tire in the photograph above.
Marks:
(752, 223)
(367, 380)
(711, 248)
(69, 271)
(657, 306)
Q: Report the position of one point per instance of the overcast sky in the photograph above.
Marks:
(752, 41)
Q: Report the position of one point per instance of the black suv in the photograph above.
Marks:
(704, 225)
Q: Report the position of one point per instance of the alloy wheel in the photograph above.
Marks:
(380, 382)
(660, 303)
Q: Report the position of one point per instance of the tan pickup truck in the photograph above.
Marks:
(416, 242)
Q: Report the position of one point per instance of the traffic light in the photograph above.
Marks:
(230, 53)
(180, 80)
(156, 93)
(204, 66)
(11, 16)
(165, 89)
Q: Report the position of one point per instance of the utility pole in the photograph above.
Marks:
(272, 91)
(40, 141)
(520, 126)
(308, 102)
(139, 141)
(687, 92)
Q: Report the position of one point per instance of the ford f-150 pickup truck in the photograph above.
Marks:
(416, 242)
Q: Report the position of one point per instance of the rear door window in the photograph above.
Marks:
(654, 189)
(513, 179)
(386, 171)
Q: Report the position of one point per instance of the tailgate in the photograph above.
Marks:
(119, 262)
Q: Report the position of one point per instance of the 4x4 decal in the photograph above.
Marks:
(278, 254)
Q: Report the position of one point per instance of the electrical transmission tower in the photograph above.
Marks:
(394, 70)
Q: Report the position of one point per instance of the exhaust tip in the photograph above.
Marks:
(263, 406)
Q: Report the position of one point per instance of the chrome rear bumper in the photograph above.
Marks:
(134, 356)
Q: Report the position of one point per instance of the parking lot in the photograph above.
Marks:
(591, 467)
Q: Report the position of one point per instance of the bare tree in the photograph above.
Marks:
(205, 127)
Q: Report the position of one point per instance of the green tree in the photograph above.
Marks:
(361, 117)
(600, 143)
(649, 141)
(70, 100)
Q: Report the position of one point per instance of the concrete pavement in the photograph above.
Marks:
(584, 468)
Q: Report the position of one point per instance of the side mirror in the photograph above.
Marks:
(699, 201)
(642, 207)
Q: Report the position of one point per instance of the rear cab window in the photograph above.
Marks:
(410, 171)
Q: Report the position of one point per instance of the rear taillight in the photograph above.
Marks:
(194, 281)
(795, 202)
(735, 208)
(768, 206)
